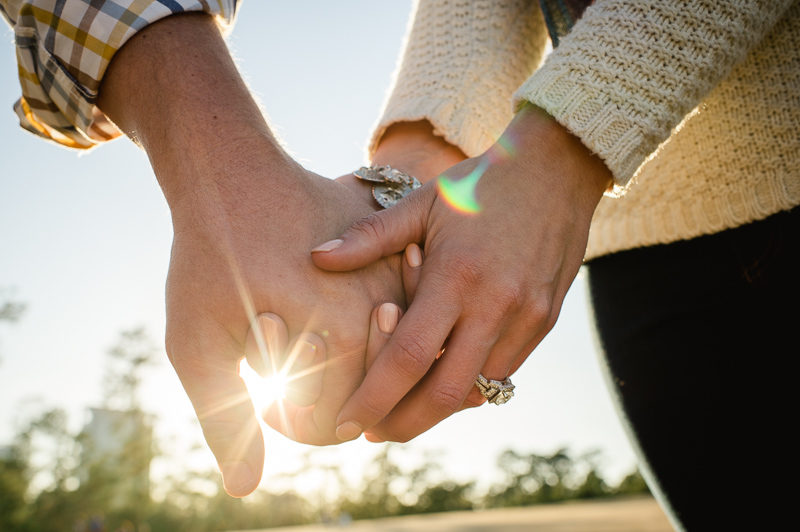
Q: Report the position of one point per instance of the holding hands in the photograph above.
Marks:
(495, 274)
(503, 235)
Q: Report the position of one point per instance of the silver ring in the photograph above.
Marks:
(497, 392)
(389, 185)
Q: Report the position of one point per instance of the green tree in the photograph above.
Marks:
(11, 310)
(49, 456)
(388, 491)
(535, 479)
(13, 487)
(125, 366)
(633, 484)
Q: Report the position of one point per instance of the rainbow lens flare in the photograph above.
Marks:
(460, 194)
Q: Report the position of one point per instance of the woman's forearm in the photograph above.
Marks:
(413, 148)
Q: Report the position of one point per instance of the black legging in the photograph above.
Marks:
(698, 339)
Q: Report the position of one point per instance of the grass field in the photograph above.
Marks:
(620, 515)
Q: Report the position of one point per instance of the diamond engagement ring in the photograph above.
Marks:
(497, 392)
(389, 184)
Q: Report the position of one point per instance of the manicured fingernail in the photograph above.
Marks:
(413, 256)
(235, 475)
(372, 438)
(388, 315)
(306, 353)
(328, 246)
(348, 431)
(269, 328)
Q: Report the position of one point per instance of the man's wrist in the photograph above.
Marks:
(175, 90)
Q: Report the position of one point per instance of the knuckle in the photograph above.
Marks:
(372, 409)
(539, 311)
(348, 343)
(409, 358)
(551, 320)
(371, 226)
(447, 398)
(223, 431)
(511, 296)
(467, 270)
(169, 349)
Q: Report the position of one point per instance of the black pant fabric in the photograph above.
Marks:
(697, 340)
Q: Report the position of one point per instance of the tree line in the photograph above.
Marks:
(52, 479)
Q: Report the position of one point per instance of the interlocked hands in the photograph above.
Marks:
(242, 281)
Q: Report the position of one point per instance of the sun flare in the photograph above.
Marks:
(264, 390)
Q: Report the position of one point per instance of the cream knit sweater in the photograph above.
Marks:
(694, 105)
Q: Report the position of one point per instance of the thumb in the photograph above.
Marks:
(380, 234)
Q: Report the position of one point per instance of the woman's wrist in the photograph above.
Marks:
(412, 147)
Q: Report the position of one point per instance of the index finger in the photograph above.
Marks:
(403, 361)
(209, 372)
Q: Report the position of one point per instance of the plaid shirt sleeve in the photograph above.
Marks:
(63, 49)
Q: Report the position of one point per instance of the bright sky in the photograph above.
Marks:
(85, 241)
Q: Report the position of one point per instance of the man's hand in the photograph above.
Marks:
(493, 281)
(244, 215)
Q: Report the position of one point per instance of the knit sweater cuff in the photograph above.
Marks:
(591, 115)
(457, 128)
(629, 73)
(460, 65)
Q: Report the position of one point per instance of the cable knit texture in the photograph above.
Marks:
(458, 58)
(699, 99)
(631, 70)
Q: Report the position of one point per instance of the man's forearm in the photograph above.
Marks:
(175, 90)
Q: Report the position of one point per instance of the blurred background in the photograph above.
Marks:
(93, 421)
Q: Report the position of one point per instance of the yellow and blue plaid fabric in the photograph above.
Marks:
(63, 49)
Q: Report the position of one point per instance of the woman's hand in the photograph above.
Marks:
(493, 280)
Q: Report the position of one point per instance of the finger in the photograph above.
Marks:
(304, 369)
(444, 389)
(265, 345)
(209, 374)
(475, 398)
(372, 438)
(280, 416)
(297, 423)
(343, 372)
(382, 324)
(378, 235)
(304, 425)
(412, 269)
(406, 358)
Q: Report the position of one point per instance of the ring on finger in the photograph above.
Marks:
(497, 392)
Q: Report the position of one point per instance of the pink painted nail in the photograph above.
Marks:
(328, 246)
(236, 475)
(413, 255)
(307, 354)
(388, 315)
(348, 431)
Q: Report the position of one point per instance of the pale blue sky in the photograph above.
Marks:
(85, 241)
